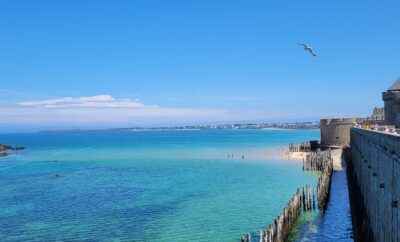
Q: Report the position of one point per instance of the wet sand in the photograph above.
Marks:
(336, 155)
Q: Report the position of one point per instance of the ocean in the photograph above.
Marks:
(198, 185)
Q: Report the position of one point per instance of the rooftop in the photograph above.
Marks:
(395, 86)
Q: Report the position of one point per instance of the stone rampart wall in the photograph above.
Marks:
(375, 167)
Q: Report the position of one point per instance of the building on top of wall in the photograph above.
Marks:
(391, 99)
(335, 132)
(377, 117)
(378, 114)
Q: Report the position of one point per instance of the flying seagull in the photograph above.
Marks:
(308, 48)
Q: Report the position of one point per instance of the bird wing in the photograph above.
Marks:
(304, 45)
(311, 51)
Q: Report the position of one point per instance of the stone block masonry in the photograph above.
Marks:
(335, 133)
(374, 175)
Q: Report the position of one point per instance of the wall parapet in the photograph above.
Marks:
(375, 168)
(390, 95)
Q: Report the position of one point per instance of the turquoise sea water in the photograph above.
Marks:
(146, 186)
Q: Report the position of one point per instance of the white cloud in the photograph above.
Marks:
(103, 110)
(107, 111)
(7, 92)
(101, 101)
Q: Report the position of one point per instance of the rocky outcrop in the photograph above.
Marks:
(3, 148)
(6, 147)
(2, 154)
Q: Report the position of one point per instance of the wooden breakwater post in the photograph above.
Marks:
(301, 147)
(324, 185)
(303, 200)
(321, 161)
(317, 160)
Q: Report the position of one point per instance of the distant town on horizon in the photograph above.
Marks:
(278, 125)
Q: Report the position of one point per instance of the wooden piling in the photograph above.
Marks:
(304, 198)
(301, 147)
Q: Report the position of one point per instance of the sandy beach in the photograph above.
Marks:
(294, 155)
(336, 155)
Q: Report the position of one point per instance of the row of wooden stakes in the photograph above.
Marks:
(317, 160)
(324, 182)
(302, 147)
(303, 200)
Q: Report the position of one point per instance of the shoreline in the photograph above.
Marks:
(298, 155)
(275, 129)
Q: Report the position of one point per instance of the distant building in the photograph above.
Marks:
(336, 132)
(377, 117)
(378, 114)
(391, 99)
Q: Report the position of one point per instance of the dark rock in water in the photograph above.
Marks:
(2, 154)
(7, 147)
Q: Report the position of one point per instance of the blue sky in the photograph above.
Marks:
(69, 64)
